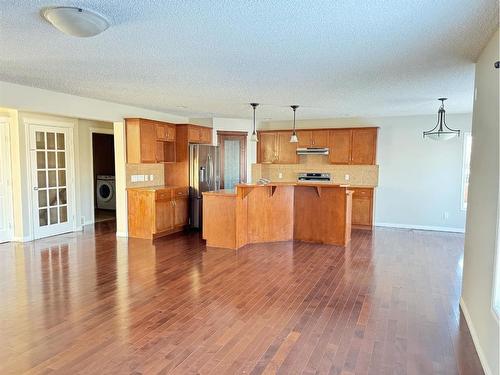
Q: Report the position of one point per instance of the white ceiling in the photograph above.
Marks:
(209, 58)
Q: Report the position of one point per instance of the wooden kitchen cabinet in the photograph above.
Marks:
(267, 150)
(199, 134)
(363, 146)
(165, 132)
(312, 138)
(340, 146)
(155, 212)
(149, 141)
(362, 208)
(287, 152)
(275, 147)
(164, 215)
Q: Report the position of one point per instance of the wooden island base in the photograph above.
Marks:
(317, 213)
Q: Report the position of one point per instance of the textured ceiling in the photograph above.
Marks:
(209, 58)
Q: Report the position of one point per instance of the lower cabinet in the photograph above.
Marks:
(154, 212)
(362, 208)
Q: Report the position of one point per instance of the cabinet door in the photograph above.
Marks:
(194, 134)
(181, 212)
(305, 138)
(319, 138)
(161, 132)
(364, 144)
(287, 152)
(267, 147)
(340, 146)
(148, 142)
(206, 135)
(362, 207)
(164, 215)
(169, 132)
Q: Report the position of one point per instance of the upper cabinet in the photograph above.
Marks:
(150, 141)
(199, 134)
(364, 146)
(275, 147)
(346, 146)
(312, 138)
(340, 146)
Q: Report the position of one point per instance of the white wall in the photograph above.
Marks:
(419, 180)
(482, 216)
(85, 171)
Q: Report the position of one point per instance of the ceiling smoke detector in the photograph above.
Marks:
(76, 21)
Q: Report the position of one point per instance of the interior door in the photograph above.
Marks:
(52, 180)
(5, 184)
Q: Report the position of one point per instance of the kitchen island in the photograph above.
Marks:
(311, 212)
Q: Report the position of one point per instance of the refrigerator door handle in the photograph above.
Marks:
(210, 171)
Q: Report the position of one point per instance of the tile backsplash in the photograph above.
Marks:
(359, 175)
(139, 175)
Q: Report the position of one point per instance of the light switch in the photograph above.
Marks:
(151, 177)
(347, 177)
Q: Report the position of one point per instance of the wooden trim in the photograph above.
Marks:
(242, 137)
(308, 129)
(224, 132)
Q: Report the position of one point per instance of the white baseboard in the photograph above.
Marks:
(121, 234)
(475, 338)
(421, 227)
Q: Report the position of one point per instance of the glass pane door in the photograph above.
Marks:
(50, 175)
(232, 153)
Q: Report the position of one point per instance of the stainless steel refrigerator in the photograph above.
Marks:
(204, 175)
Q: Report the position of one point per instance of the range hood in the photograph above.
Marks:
(312, 151)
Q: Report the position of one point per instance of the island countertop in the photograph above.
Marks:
(252, 213)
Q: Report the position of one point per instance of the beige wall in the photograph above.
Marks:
(419, 183)
(482, 217)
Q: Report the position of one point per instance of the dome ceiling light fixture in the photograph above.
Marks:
(294, 138)
(441, 132)
(254, 138)
(76, 21)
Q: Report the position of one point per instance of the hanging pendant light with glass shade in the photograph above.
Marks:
(441, 132)
(294, 138)
(254, 138)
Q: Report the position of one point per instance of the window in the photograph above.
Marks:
(466, 169)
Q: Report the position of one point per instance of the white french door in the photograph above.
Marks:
(5, 184)
(52, 178)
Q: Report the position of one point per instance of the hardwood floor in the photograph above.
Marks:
(90, 303)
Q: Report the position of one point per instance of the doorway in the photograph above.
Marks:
(233, 158)
(52, 179)
(6, 217)
(103, 174)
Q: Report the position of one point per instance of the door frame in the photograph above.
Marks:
(91, 153)
(34, 122)
(242, 136)
(9, 192)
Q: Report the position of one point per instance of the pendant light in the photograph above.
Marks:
(294, 138)
(441, 132)
(254, 138)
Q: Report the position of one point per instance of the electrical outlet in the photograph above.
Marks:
(146, 177)
(347, 177)
(151, 177)
(280, 175)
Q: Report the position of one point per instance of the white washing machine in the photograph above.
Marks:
(106, 194)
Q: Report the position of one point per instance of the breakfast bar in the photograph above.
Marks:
(311, 212)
